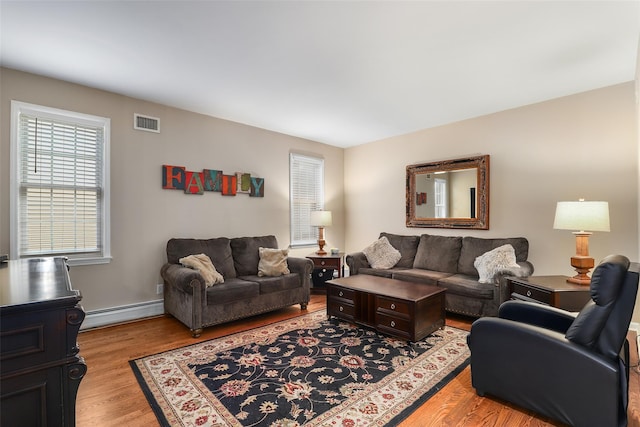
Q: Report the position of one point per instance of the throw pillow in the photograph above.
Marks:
(381, 254)
(273, 262)
(203, 264)
(489, 263)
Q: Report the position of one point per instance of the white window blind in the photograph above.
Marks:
(306, 195)
(61, 194)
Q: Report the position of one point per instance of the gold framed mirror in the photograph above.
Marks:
(449, 194)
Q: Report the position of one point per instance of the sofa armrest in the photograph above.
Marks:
(302, 267)
(356, 261)
(185, 279)
(524, 269)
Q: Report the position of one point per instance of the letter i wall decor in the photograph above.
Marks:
(177, 178)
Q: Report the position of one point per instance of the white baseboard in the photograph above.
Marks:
(123, 313)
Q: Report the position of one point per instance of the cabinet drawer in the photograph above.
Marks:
(338, 292)
(531, 293)
(340, 309)
(392, 306)
(393, 325)
(330, 262)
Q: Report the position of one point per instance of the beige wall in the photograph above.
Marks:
(143, 215)
(583, 145)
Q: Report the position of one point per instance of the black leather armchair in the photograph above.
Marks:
(571, 368)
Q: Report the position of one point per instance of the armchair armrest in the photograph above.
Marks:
(537, 314)
(355, 261)
(183, 278)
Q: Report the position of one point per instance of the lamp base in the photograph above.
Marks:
(321, 251)
(582, 265)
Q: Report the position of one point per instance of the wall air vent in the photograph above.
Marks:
(150, 124)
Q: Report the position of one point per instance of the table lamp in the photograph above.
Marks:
(586, 216)
(320, 219)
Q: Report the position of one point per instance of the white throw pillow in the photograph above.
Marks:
(203, 264)
(381, 254)
(489, 263)
(273, 262)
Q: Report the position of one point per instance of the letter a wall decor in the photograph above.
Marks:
(178, 178)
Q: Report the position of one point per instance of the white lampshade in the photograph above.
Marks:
(582, 215)
(320, 218)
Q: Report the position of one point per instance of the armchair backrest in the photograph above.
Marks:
(604, 321)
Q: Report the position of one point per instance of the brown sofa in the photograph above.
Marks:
(447, 262)
(243, 292)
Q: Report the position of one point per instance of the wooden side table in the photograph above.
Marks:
(550, 290)
(327, 261)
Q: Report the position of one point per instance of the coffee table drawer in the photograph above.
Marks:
(393, 325)
(343, 293)
(341, 309)
(393, 306)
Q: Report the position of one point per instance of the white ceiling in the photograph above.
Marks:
(339, 72)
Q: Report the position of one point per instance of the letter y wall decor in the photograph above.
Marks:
(178, 178)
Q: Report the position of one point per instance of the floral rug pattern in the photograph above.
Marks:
(304, 371)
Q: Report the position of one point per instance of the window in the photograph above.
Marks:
(59, 186)
(441, 198)
(306, 195)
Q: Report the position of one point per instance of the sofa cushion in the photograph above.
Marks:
(275, 284)
(380, 254)
(232, 290)
(273, 262)
(406, 245)
(460, 284)
(246, 254)
(218, 250)
(489, 263)
(419, 275)
(473, 247)
(438, 253)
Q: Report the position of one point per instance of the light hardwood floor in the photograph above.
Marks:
(109, 394)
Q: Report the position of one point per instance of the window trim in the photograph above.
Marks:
(320, 203)
(18, 108)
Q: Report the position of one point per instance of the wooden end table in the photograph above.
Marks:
(550, 290)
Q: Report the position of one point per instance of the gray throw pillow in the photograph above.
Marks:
(381, 254)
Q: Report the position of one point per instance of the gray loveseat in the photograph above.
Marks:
(243, 292)
(447, 262)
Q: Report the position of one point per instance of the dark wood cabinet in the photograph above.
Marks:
(40, 365)
(550, 290)
(407, 310)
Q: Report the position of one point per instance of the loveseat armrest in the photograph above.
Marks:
(302, 267)
(183, 278)
(356, 261)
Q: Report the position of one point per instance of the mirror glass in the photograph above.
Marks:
(449, 194)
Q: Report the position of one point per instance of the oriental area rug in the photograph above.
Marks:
(303, 371)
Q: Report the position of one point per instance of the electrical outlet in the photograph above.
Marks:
(159, 288)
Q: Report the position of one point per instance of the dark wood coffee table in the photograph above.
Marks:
(406, 310)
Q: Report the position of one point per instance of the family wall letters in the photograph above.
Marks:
(177, 178)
